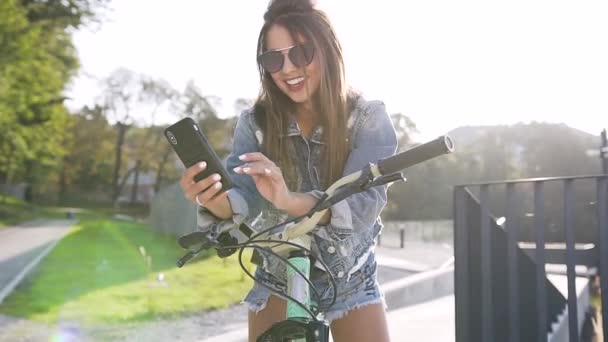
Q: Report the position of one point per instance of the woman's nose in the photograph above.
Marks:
(287, 65)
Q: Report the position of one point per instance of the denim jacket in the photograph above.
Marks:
(346, 241)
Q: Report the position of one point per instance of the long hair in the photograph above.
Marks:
(333, 100)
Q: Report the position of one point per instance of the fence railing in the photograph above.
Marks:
(501, 288)
(399, 233)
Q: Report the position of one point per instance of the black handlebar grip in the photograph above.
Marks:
(183, 260)
(418, 154)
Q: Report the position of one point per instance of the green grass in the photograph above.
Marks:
(14, 211)
(98, 273)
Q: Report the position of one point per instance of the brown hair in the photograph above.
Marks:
(333, 100)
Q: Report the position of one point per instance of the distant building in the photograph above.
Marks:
(145, 188)
(14, 190)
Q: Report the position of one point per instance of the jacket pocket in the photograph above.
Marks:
(334, 252)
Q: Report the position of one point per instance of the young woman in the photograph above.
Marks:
(306, 130)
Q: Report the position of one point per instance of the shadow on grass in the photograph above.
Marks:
(16, 212)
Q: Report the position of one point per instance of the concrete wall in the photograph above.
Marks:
(419, 288)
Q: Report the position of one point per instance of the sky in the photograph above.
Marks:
(445, 64)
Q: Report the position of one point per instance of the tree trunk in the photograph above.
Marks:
(159, 171)
(135, 182)
(62, 185)
(7, 181)
(120, 140)
(30, 180)
(121, 185)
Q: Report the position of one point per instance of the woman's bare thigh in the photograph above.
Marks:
(274, 311)
(362, 325)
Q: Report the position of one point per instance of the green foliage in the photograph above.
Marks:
(14, 211)
(87, 165)
(64, 13)
(37, 60)
(98, 273)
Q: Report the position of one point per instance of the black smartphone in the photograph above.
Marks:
(191, 145)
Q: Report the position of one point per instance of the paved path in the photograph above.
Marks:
(429, 321)
(23, 246)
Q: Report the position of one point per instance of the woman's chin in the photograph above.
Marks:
(298, 98)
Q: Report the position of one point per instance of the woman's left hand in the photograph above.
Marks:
(267, 176)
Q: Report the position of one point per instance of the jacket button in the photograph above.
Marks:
(331, 249)
(340, 274)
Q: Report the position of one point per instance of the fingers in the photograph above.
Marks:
(218, 197)
(260, 168)
(256, 164)
(204, 190)
(188, 176)
(212, 194)
(255, 157)
(204, 185)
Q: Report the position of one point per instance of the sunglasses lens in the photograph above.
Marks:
(302, 54)
(271, 61)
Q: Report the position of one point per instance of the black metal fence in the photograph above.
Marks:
(502, 292)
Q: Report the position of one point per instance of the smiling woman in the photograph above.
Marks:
(306, 130)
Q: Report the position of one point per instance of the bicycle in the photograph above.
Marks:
(292, 243)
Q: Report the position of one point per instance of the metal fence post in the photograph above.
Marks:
(541, 291)
(570, 260)
(461, 266)
(512, 238)
(487, 316)
(602, 206)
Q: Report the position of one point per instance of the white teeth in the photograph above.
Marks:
(295, 81)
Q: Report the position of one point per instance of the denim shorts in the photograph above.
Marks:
(361, 289)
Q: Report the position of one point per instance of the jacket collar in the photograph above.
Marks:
(293, 129)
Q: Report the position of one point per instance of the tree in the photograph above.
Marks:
(124, 94)
(37, 59)
(404, 127)
(86, 166)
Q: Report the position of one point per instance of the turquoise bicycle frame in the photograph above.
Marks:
(299, 325)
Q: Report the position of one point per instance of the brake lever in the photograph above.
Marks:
(192, 253)
(191, 239)
(393, 177)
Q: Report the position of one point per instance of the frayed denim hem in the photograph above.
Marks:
(337, 314)
(256, 302)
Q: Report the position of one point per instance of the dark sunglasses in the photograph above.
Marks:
(300, 55)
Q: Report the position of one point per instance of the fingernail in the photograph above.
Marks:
(246, 170)
(216, 177)
(243, 156)
(202, 164)
(267, 171)
(237, 169)
(218, 185)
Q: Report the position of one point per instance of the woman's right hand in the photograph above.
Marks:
(207, 191)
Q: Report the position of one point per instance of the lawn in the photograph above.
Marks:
(115, 271)
(14, 211)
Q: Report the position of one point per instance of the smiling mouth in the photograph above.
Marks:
(295, 84)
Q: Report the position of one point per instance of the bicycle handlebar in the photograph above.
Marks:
(413, 156)
(384, 171)
(384, 167)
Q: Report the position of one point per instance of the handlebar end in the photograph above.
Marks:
(449, 143)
